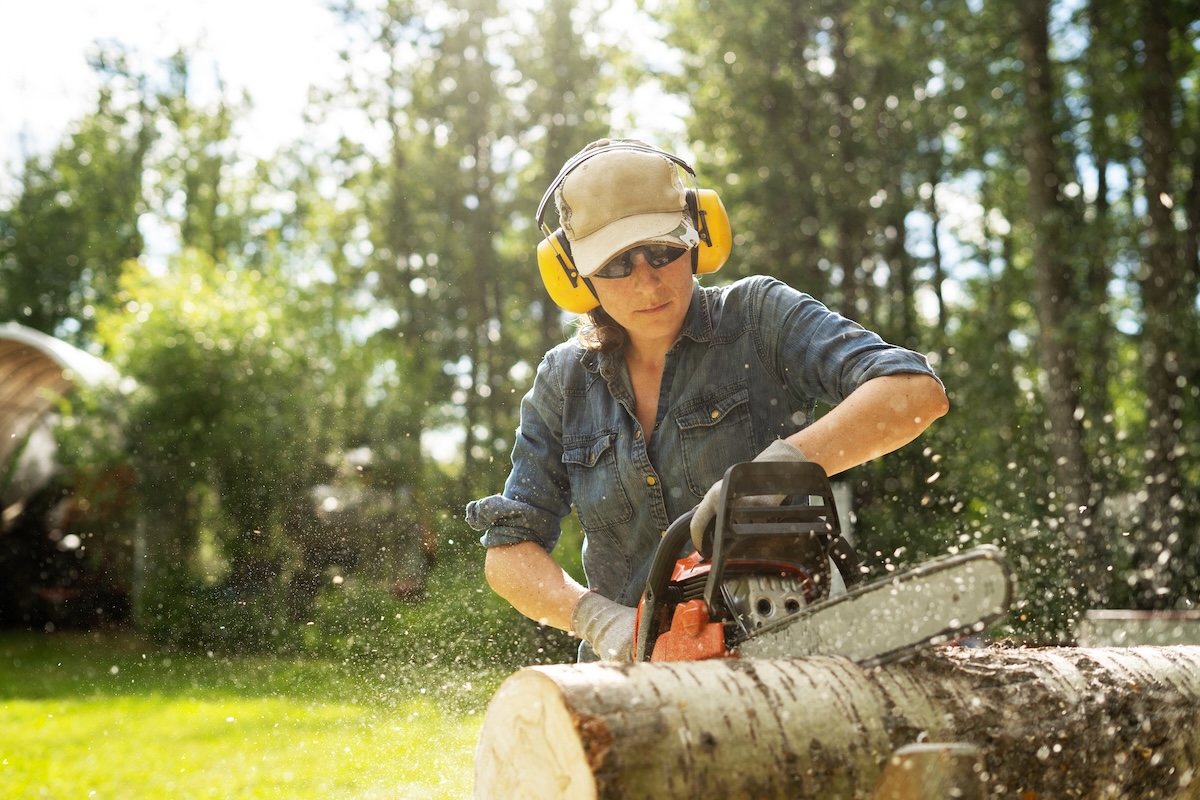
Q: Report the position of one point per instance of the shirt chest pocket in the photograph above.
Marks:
(596, 490)
(715, 432)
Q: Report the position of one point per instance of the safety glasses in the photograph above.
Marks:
(656, 255)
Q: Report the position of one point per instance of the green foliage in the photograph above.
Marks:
(237, 398)
(222, 368)
(63, 241)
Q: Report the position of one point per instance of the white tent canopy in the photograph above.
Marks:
(35, 369)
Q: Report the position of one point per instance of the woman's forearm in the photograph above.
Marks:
(527, 576)
(882, 415)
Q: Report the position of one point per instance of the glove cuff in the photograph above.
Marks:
(781, 450)
(605, 625)
(590, 611)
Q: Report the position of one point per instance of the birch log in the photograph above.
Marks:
(1048, 723)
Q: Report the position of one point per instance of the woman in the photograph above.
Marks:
(667, 384)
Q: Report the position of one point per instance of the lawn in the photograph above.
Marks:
(109, 716)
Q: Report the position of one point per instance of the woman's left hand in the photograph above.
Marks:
(706, 509)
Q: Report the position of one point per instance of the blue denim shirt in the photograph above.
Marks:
(750, 364)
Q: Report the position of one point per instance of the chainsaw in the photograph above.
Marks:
(760, 584)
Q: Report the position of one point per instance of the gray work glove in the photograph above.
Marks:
(606, 625)
(706, 509)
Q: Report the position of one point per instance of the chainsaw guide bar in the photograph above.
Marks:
(935, 603)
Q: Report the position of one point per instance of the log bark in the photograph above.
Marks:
(1048, 723)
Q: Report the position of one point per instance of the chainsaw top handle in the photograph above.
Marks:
(801, 517)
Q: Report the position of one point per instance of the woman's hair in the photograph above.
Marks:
(599, 331)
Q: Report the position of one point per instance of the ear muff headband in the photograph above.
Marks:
(574, 293)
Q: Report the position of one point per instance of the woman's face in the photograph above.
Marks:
(650, 304)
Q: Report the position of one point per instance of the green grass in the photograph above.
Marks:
(110, 717)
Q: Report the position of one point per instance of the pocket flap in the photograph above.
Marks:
(712, 408)
(587, 453)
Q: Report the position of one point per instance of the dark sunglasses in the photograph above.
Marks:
(656, 255)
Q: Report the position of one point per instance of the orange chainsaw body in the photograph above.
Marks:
(692, 635)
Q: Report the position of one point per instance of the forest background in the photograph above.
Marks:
(1012, 188)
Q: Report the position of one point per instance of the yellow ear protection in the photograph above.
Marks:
(574, 293)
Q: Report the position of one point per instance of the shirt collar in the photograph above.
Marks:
(697, 325)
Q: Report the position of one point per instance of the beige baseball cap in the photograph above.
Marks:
(620, 198)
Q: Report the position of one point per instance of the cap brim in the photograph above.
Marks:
(595, 250)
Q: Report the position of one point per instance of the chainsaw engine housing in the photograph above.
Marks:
(766, 562)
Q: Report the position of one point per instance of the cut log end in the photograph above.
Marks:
(532, 748)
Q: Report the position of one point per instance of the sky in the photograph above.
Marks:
(275, 49)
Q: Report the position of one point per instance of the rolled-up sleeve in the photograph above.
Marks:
(819, 353)
(536, 495)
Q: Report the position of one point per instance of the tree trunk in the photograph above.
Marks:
(1099, 331)
(1165, 544)
(1063, 723)
(1056, 304)
(938, 282)
(850, 228)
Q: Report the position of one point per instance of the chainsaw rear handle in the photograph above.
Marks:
(789, 480)
(655, 601)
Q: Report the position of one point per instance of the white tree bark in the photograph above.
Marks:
(1052, 723)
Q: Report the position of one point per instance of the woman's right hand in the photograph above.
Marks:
(606, 625)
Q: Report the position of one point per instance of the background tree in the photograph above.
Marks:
(563, 108)
(388, 233)
(63, 240)
(1055, 280)
(1169, 546)
(196, 169)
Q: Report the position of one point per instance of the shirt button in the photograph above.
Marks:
(638, 435)
(650, 481)
(715, 414)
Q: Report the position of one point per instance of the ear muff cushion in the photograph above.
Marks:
(560, 278)
(716, 236)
